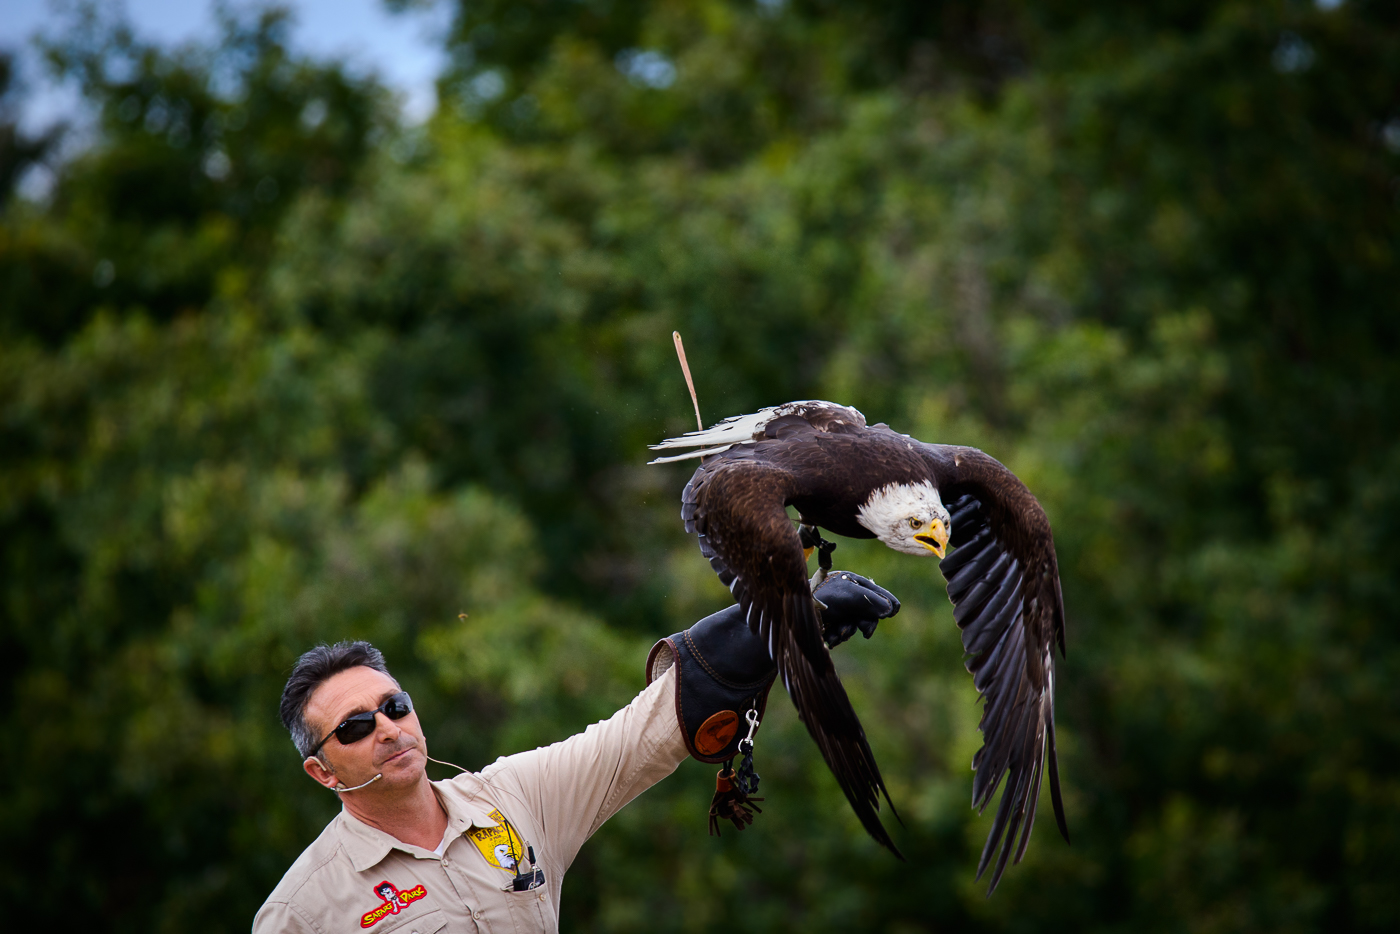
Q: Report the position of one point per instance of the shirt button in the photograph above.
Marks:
(541, 896)
(476, 915)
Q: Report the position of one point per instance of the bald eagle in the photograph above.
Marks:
(871, 482)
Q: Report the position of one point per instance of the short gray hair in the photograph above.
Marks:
(312, 670)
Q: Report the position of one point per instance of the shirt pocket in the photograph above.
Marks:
(531, 908)
(429, 922)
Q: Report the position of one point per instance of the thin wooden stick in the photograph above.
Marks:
(685, 368)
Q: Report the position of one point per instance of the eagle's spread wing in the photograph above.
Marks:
(735, 505)
(1005, 586)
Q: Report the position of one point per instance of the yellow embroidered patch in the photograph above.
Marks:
(501, 845)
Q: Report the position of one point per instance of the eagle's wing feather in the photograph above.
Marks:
(735, 505)
(1004, 582)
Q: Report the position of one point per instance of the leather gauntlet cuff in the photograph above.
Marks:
(722, 672)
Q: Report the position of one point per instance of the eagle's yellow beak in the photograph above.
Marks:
(935, 539)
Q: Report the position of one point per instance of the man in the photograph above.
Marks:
(487, 851)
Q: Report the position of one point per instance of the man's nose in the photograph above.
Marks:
(386, 729)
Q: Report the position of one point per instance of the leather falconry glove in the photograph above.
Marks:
(724, 674)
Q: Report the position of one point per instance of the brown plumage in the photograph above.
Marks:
(870, 482)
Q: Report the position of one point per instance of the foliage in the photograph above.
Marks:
(1145, 255)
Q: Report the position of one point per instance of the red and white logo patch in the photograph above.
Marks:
(394, 902)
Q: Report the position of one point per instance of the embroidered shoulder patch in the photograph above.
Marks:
(394, 902)
(501, 845)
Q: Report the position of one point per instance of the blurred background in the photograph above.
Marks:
(339, 325)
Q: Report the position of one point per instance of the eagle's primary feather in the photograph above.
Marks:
(853, 479)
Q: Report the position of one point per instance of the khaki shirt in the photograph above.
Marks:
(551, 799)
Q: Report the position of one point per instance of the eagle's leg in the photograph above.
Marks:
(811, 538)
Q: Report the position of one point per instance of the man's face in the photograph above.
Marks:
(396, 747)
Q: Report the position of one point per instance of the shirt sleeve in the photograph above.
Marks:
(283, 918)
(573, 786)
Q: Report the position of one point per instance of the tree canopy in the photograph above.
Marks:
(276, 368)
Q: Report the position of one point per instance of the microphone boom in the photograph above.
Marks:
(341, 791)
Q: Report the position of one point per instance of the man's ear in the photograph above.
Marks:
(319, 772)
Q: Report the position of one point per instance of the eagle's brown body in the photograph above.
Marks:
(1003, 579)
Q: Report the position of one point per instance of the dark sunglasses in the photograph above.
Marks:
(355, 728)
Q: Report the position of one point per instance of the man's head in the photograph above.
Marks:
(331, 683)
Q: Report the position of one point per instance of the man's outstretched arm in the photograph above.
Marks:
(703, 681)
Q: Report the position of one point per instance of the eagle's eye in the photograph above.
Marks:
(916, 524)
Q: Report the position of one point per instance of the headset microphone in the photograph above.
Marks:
(440, 762)
(341, 791)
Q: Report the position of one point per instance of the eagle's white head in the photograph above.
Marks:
(908, 518)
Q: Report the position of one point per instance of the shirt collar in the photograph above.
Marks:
(463, 812)
(367, 846)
